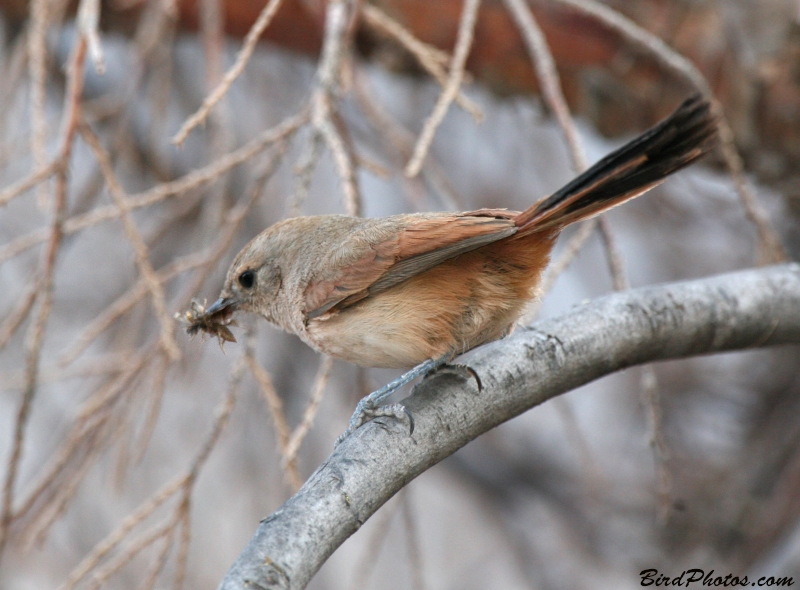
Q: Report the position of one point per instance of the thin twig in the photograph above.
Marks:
(14, 319)
(204, 259)
(619, 278)
(88, 22)
(466, 29)
(301, 430)
(275, 405)
(37, 71)
(154, 410)
(35, 334)
(324, 116)
(189, 181)
(549, 81)
(431, 58)
(100, 366)
(183, 483)
(113, 539)
(185, 526)
(23, 185)
(569, 253)
(334, 134)
(136, 546)
(13, 69)
(219, 137)
(770, 247)
(304, 172)
(36, 532)
(415, 562)
(139, 246)
(376, 542)
(402, 140)
(234, 72)
(91, 418)
(159, 563)
(547, 74)
(556, 268)
(658, 442)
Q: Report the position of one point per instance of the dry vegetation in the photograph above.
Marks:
(122, 200)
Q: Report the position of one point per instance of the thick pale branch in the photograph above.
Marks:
(736, 311)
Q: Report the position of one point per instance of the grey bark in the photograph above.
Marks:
(736, 311)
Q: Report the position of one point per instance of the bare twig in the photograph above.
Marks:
(574, 246)
(160, 562)
(339, 15)
(88, 22)
(430, 57)
(301, 430)
(35, 335)
(770, 246)
(455, 77)
(275, 405)
(658, 442)
(402, 140)
(249, 45)
(190, 181)
(183, 483)
(23, 185)
(83, 438)
(304, 172)
(139, 247)
(55, 508)
(183, 517)
(334, 133)
(619, 278)
(415, 562)
(377, 540)
(113, 539)
(136, 546)
(154, 410)
(204, 259)
(14, 319)
(547, 74)
(37, 71)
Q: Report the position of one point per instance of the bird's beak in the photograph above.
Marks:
(223, 304)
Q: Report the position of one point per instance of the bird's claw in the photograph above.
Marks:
(366, 412)
(460, 369)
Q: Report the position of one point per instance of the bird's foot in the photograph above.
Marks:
(370, 407)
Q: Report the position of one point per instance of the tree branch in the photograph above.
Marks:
(747, 309)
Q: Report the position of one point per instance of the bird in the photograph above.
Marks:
(414, 291)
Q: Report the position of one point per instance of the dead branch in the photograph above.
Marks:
(249, 45)
(431, 58)
(466, 29)
(339, 15)
(190, 181)
(35, 334)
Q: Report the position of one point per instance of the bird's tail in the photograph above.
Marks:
(636, 167)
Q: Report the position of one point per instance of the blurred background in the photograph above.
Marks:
(134, 457)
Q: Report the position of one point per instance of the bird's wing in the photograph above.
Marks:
(414, 246)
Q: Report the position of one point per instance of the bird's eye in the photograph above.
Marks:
(247, 279)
